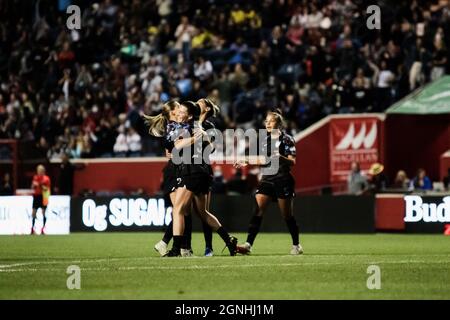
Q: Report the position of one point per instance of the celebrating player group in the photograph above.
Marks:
(185, 128)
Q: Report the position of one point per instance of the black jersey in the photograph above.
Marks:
(173, 131)
(191, 158)
(171, 170)
(286, 147)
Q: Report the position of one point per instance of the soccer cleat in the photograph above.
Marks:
(32, 231)
(232, 245)
(296, 250)
(187, 253)
(161, 247)
(209, 252)
(42, 232)
(245, 248)
(172, 253)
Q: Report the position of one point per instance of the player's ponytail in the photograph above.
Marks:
(157, 124)
(277, 113)
(213, 108)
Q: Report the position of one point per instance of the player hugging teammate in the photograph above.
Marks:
(189, 179)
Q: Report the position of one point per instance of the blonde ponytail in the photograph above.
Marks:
(157, 124)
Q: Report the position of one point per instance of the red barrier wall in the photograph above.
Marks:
(123, 176)
(413, 142)
(312, 168)
(445, 164)
(126, 174)
(389, 212)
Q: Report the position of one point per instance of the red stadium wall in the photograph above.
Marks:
(312, 168)
(115, 175)
(445, 164)
(314, 148)
(128, 174)
(414, 142)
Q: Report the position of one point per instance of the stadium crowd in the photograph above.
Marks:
(83, 92)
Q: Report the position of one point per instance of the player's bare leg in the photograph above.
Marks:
(183, 198)
(161, 246)
(206, 216)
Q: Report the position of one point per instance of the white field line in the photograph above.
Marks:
(69, 262)
(203, 267)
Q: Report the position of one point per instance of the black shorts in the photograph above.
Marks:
(169, 179)
(283, 188)
(38, 202)
(196, 183)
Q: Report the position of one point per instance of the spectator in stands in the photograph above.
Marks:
(134, 142)
(361, 91)
(356, 181)
(378, 181)
(121, 146)
(203, 69)
(183, 34)
(401, 181)
(385, 78)
(421, 181)
(133, 56)
(6, 188)
(447, 178)
(439, 60)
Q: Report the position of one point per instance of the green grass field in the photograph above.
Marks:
(125, 266)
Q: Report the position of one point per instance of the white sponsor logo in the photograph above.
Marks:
(16, 218)
(362, 139)
(417, 210)
(125, 212)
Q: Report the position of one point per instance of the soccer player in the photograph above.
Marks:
(279, 187)
(165, 125)
(208, 109)
(41, 194)
(194, 179)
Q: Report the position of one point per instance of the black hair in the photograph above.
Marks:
(193, 109)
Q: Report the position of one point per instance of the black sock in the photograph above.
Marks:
(293, 230)
(169, 233)
(253, 228)
(224, 235)
(207, 233)
(188, 231)
(45, 220)
(177, 241)
(33, 220)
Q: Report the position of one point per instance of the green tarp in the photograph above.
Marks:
(433, 98)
